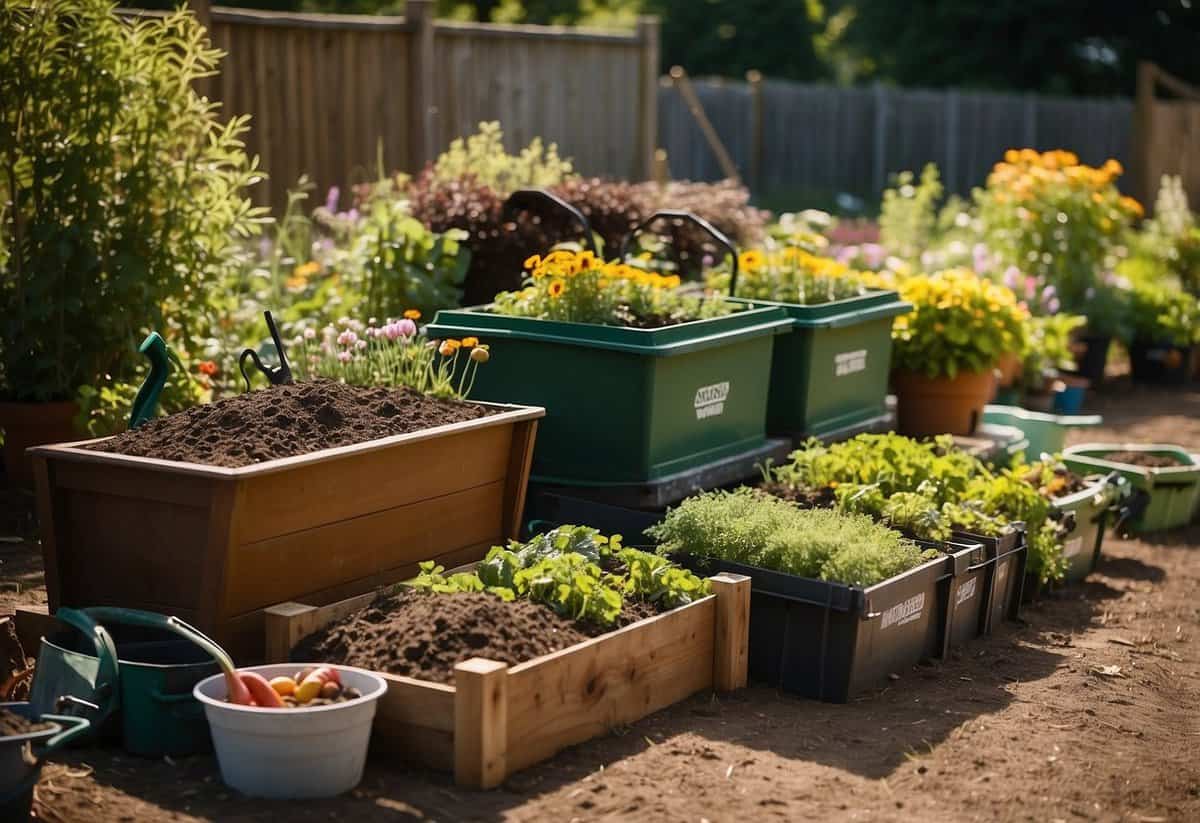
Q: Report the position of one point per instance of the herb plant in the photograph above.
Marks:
(750, 527)
(1160, 314)
(577, 572)
(483, 156)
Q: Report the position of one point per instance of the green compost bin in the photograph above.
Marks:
(829, 374)
(1174, 491)
(1046, 433)
(1089, 508)
(627, 405)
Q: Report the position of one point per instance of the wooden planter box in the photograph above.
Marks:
(496, 719)
(216, 546)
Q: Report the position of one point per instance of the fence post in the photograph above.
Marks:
(648, 30)
(755, 79)
(1030, 124)
(1143, 133)
(421, 103)
(879, 168)
(952, 164)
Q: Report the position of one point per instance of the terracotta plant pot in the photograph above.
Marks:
(32, 424)
(941, 405)
(1008, 368)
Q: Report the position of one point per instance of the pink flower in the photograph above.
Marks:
(309, 334)
(347, 338)
(1012, 277)
(344, 357)
(873, 255)
(332, 197)
(360, 344)
(406, 327)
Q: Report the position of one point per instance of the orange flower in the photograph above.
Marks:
(470, 342)
(208, 367)
(412, 314)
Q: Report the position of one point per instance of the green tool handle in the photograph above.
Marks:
(106, 687)
(146, 402)
(153, 620)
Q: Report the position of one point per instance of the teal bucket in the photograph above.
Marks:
(1046, 433)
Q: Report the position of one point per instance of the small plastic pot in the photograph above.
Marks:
(302, 752)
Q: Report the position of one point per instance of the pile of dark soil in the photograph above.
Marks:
(822, 498)
(1145, 459)
(425, 636)
(284, 421)
(13, 724)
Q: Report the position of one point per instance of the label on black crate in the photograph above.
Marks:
(965, 592)
(710, 400)
(849, 362)
(906, 611)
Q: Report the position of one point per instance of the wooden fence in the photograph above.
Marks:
(1168, 133)
(336, 96)
(798, 137)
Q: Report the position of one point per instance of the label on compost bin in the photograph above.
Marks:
(906, 611)
(710, 400)
(1073, 546)
(965, 592)
(849, 362)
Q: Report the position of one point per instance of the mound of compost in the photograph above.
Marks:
(13, 724)
(1145, 459)
(284, 421)
(422, 635)
(820, 498)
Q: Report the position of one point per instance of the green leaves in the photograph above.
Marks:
(564, 569)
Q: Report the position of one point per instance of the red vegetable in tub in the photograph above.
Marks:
(261, 691)
(239, 693)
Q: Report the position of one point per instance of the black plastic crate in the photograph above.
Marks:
(829, 641)
(968, 601)
(1005, 575)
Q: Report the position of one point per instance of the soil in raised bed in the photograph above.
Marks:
(426, 635)
(822, 498)
(1146, 459)
(13, 724)
(284, 421)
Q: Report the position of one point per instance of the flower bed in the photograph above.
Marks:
(215, 544)
(503, 685)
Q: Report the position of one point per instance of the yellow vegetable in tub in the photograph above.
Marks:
(283, 686)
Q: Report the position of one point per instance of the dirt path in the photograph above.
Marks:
(1090, 710)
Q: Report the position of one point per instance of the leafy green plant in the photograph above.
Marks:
(1047, 347)
(908, 219)
(574, 570)
(1161, 314)
(483, 156)
(123, 190)
(748, 526)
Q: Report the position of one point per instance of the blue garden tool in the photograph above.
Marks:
(278, 375)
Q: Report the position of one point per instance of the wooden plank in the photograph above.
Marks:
(32, 624)
(305, 498)
(221, 540)
(335, 22)
(578, 693)
(269, 571)
(286, 624)
(731, 640)
(113, 478)
(49, 507)
(480, 723)
(516, 481)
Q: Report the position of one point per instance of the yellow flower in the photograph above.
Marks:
(556, 288)
(449, 348)
(307, 270)
(1132, 206)
(470, 342)
(412, 314)
(532, 260)
(751, 260)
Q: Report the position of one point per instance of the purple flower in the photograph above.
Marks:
(845, 254)
(1053, 305)
(983, 260)
(407, 327)
(1048, 292)
(1012, 277)
(873, 255)
(332, 198)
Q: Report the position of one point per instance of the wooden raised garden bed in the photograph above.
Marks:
(216, 545)
(498, 719)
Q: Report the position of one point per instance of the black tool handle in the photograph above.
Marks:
(700, 223)
(528, 199)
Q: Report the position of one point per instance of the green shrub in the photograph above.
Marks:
(122, 192)
(483, 156)
(747, 526)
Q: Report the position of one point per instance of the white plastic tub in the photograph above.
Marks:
(292, 753)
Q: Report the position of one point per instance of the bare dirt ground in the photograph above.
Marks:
(1088, 710)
